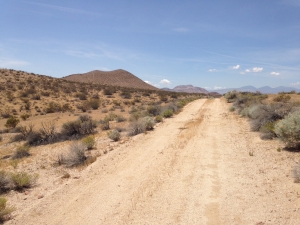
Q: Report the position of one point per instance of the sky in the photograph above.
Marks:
(211, 44)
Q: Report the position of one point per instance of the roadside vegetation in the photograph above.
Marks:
(273, 118)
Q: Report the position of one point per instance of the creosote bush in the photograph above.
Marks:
(167, 113)
(158, 119)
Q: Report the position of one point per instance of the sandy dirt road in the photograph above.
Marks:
(192, 169)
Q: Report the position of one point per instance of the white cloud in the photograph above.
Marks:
(275, 73)
(212, 70)
(296, 84)
(257, 69)
(9, 63)
(181, 29)
(236, 67)
(165, 81)
(247, 71)
(242, 73)
(148, 82)
(218, 88)
(214, 88)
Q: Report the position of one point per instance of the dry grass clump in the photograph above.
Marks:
(76, 156)
(22, 180)
(5, 211)
(84, 125)
(21, 152)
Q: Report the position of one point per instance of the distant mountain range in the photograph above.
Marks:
(264, 90)
(119, 77)
(187, 88)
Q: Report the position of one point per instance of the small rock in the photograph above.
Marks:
(26, 192)
(76, 177)
(25, 198)
(40, 196)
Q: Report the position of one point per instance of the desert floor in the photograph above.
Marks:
(203, 166)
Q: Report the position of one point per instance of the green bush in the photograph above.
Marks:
(158, 119)
(23, 180)
(167, 113)
(4, 211)
(89, 142)
(288, 129)
(21, 152)
(12, 122)
(114, 135)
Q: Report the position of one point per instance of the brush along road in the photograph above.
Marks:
(203, 166)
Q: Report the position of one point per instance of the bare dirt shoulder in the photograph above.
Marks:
(193, 169)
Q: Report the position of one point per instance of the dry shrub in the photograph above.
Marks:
(104, 125)
(148, 122)
(22, 180)
(89, 142)
(282, 98)
(288, 129)
(5, 211)
(21, 152)
(114, 135)
(76, 155)
(5, 182)
(158, 119)
(136, 127)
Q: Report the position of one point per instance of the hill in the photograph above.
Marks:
(264, 90)
(187, 88)
(121, 78)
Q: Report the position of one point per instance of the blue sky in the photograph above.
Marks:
(209, 44)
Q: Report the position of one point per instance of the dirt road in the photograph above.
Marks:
(192, 169)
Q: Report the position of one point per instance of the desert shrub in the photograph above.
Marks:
(82, 96)
(110, 117)
(148, 122)
(5, 181)
(114, 135)
(94, 103)
(288, 129)
(76, 155)
(158, 119)
(12, 122)
(136, 127)
(1, 138)
(163, 98)
(154, 110)
(167, 113)
(53, 107)
(230, 96)
(89, 142)
(34, 138)
(22, 180)
(282, 98)
(21, 152)
(231, 109)
(82, 126)
(120, 119)
(267, 131)
(296, 173)
(126, 94)
(25, 116)
(104, 125)
(4, 211)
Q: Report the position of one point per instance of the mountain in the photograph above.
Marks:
(187, 88)
(264, 90)
(119, 77)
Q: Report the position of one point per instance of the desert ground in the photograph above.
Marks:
(203, 166)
